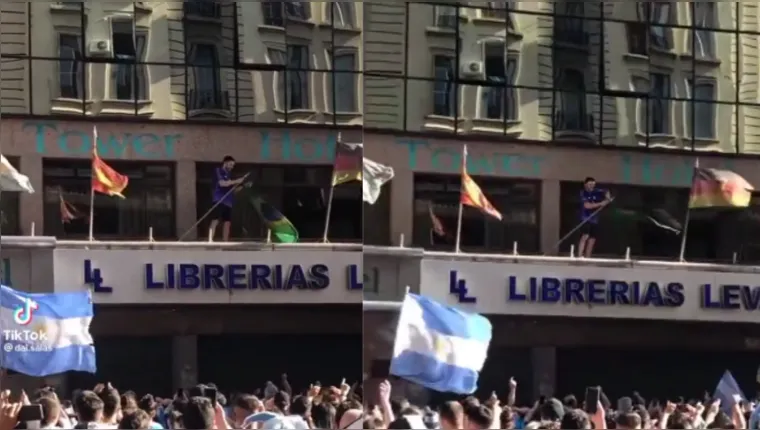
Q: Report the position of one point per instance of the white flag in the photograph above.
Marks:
(374, 175)
(11, 179)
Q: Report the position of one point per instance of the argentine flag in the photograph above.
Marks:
(440, 347)
(45, 334)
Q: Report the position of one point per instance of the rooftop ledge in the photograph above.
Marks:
(21, 242)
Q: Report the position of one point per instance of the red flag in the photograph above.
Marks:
(438, 228)
(106, 180)
(472, 195)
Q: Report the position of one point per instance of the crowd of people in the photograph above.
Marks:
(200, 407)
(341, 407)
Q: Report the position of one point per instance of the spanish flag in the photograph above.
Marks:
(105, 180)
(472, 195)
(348, 162)
(718, 188)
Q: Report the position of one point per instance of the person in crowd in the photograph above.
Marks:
(323, 415)
(477, 417)
(111, 405)
(198, 414)
(129, 402)
(137, 419)
(150, 406)
(223, 197)
(592, 199)
(451, 415)
(89, 411)
(51, 412)
(243, 406)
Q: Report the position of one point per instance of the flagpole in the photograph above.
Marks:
(328, 214)
(461, 206)
(685, 230)
(92, 176)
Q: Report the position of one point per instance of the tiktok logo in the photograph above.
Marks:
(23, 313)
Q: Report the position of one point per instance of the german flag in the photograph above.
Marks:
(718, 188)
(472, 195)
(106, 180)
(348, 162)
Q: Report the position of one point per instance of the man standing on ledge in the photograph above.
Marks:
(223, 197)
(592, 199)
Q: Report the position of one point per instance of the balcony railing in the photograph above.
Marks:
(203, 9)
(209, 100)
(573, 121)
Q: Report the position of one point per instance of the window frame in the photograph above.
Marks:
(77, 65)
(134, 66)
(336, 74)
(450, 84)
(506, 92)
(693, 103)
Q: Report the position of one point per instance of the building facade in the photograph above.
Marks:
(545, 94)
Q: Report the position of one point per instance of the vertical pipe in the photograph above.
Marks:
(285, 70)
(601, 84)
(85, 57)
(185, 59)
(737, 77)
(29, 56)
(507, 85)
(406, 65)
(457, 65)
(135, 91)
(554, 73)
(693, 75)
(235, 62)
(333, 77)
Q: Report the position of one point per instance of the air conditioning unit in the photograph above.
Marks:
(471, 69)
(101, 48)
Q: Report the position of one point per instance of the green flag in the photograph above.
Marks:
(656, 217)
(282, 230)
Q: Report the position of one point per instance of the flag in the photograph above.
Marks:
(728, 391)
(472, 195)
(718, 188)
(436, 222)
(374, 176)
(61, 322)
(659, 218)
(11, 179)
(439, 347)
(106, 180)
(281, 227)
(69, 212)
(348, 163)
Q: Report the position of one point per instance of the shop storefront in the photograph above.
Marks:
(171, 315)
(561, 323)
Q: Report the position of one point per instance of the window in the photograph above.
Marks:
(206, 92)
(650, 31)
(498, 10)
(654, 113)
(499, 101)
(703, 37)
(568, 24)
(444, 87)
(149, 200)
(518, 201)
(658, 15)
(341, 14)
(292, 84)
(446, 16)
(70, 67)
(571, 102)
(299, 192)
(203, 8)
(130, 78)
(345, 83)
(275, 11)
(700, 119)
(10, 223)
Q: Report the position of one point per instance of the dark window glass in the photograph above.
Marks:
(9, 209)
(148, 203)
(517, 200)
(70, 67)
(300, 193)
(444, 96)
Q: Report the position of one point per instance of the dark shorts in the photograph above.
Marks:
(222, 213)
(589, 229)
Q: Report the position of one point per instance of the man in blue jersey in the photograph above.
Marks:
(223, 184)
(592, 199)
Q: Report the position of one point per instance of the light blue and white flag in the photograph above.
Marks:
(728, 391)
(440, 347)
(45, 334)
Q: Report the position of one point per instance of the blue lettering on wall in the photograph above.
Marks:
(744, 297)
(669, 171)
(494, 163)
(595, 292)
(191, 276)
(309, 149)
(76, 142)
